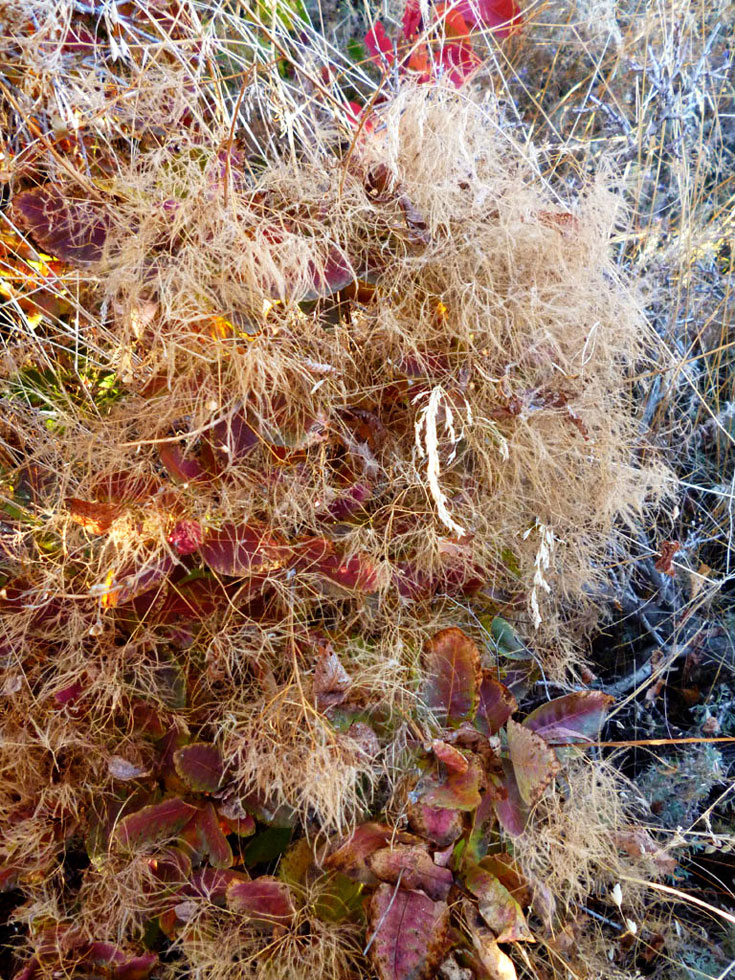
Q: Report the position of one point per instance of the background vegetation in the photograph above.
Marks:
(366, 490)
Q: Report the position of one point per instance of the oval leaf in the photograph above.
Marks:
(497, 906)
(576, 717)
(410, 933)
(266, 901)
(200, 766)
(452, 663)
(243, 550)
(155, 823)
(534, 762)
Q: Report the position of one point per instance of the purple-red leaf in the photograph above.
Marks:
(155, 823)
(534, 762)
(575, 717)
(413, 865)
(496, 705)
(266, 901)
(200, 766)
(510, 808)
(72, 230)
(442, 827)
(186, 537)
(179, 467)
(212, 883)
(452, 664)
(204, 835)
(410, 933)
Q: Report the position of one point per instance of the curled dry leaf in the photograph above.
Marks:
(415, 868)
(331, 680)
(120, 768)
(409, 933)
(534, 762)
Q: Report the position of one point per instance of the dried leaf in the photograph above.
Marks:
(409, 932)
(120, 768)
(331, 680)
(452, 665)
(534, 762)
(200, 766)
(92, 515)
(415, 868)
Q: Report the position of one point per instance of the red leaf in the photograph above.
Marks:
(265, 901)
(155, 823)
(68, 695)
(496, 705)
(534, 762)
(335, 275)
(356, 573)
(72, 230)
(410, 933)
(460, 790)
(379, 45)
(200, 766)
(415, 868)
(499, 16)
(242, 550)
(186, 537)
(497, 906)
(412, 21)
(127, 587)
(350, 858)
(204, 835)
(124, 966)
(451, 757)
(575, 717)
(452, 664)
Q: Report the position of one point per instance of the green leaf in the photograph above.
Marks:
(267, 845)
